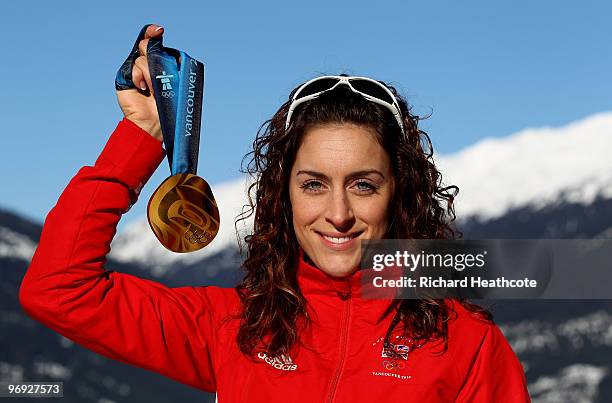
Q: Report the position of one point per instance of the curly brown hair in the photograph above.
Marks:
(274, 309)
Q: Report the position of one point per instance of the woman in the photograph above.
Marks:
(332, 168)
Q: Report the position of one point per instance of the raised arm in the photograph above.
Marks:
(133, 320)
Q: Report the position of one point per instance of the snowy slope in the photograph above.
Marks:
(534, 167)
(15, 245)
(577, 382)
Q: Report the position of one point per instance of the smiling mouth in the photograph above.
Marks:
(340, 240)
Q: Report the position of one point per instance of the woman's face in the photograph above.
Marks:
(340, 188)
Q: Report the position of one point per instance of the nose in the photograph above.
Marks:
(339, 211)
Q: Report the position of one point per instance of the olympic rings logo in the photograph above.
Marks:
(167, 94)
(195, 236)
(393, 365)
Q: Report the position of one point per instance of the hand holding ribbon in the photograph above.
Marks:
(135, 89)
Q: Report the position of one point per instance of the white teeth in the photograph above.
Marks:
(337, 240)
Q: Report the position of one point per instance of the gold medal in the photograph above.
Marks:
(183, 213)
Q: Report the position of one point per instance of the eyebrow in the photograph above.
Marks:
(352, 175)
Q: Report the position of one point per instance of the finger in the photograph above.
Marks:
(138, 78)
(142, 47)
(142, 64)
(154, 30)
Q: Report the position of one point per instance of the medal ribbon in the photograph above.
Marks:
(178, 87)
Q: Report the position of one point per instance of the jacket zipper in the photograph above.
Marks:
(343, 339)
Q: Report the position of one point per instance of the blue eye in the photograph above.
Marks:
(311, 185)
(365, 186)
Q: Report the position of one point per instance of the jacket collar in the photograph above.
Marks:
(322, 290)
(313, 280)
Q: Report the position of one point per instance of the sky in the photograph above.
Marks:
(479, 68)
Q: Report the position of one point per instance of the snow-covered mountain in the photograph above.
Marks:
(15, 245)
(535, 167)
(567, 381)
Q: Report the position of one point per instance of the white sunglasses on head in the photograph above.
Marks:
(370, 89)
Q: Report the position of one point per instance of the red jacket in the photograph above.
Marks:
(180, 332)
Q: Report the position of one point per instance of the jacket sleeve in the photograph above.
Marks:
(123, 317)
(496, 374)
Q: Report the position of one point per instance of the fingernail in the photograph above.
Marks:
(143, 86)
(157, 29)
